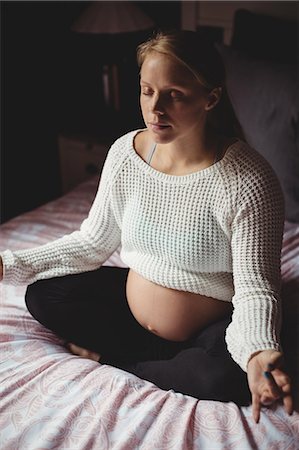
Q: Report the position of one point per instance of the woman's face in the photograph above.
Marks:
(173, 102)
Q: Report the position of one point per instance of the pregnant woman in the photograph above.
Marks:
(198, 215)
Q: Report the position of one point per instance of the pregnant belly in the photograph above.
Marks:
(171, 314)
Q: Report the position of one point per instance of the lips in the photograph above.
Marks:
(158, 126)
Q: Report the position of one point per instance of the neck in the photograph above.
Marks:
(189, 152)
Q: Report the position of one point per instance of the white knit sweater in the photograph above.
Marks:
(217, 232)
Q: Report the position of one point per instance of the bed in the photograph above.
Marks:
(51, 399)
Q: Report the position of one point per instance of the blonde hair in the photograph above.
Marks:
(203, 60)
(169, 44)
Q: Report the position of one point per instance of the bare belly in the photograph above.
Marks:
(171, 314)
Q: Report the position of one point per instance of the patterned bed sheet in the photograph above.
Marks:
(51, 399)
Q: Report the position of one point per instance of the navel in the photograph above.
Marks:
(151, 329)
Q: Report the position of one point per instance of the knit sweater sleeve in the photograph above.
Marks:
(83, 250)
(257, 231)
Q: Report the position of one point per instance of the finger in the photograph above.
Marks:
(256, 407)
(267, 399)
(272, 385)
(83, 352)
(276, 361)
(286, 387)
(288, 404)
(282, 380)
(73, 348)
(284, 391)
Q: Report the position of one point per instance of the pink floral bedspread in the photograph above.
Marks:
(50, 399)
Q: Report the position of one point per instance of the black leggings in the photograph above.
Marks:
(90, 309)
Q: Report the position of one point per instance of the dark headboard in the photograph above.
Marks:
(265, 37)
(262, 82)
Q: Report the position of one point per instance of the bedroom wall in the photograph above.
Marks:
(33, 36)
(50, 83)
(221, 13)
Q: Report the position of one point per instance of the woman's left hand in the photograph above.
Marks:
(268, 382)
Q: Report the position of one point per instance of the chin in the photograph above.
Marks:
(162, 137)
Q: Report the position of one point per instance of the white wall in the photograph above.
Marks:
(221, 13)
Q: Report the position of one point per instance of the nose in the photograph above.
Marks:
(157, 106)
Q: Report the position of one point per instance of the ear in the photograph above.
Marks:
(213, 98)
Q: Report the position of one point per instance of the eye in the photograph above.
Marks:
(146, 91)
(176, 95)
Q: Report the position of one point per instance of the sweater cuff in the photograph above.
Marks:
(8, 261)
(241, 355)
